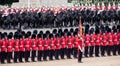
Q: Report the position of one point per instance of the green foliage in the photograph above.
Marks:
(69, 1)
(7, 2)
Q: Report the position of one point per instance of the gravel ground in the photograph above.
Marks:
(95, 61)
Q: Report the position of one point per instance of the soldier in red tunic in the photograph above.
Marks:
(9, 49)
(69, 46)
(40, 47)
(46, 49)
(57, 47)
(21, 48)
(110, 44)
(80, 49)
(92, 44)
(75, 50)
(118, 34)
(52, 48)
(34, 47)
(115, 43)
(97, 46)
(3, 49)
(63, 47)
(16, 48)
(87, 44)
(27, 48)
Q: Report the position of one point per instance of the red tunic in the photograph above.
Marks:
(92, 40)
(115, 40)
(34, 44)
(118, 37)
(21, 47)
(104, 42)
(13, 42)
(63, 43)
(97, 41)
(16, 47)
(9, 46)
(70, 43)
(3, 47)
(58, 44)
(87, 42)
(80, 44)
(46, 45)
(76, 42)
(27, 45)
(110, 40)
(40, 44)
(0, 44)
(52, 45)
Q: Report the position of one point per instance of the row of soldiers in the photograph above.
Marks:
(57, 45)
(62, 18)
(40, 45)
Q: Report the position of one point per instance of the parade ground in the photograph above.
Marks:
(95, 61)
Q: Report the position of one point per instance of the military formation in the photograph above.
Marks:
(101, 34)
(56, 17)
(67, 44)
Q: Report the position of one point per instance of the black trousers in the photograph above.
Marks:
(119, 49)
(51, 54)
(79, 56)
(109, 50)
(86, 51)
(21, 56)
(16, 55)
(62, 52)
(40, 54)
(103, 49)
(33, 55)
(9, 57)
(57, 53)
(69, 50)
(96, 51)
(45, 54)
(91, 51)
(75, 52)
(115, 48)
(3, 56)
(27, 55)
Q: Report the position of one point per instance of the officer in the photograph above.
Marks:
(80, 49)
